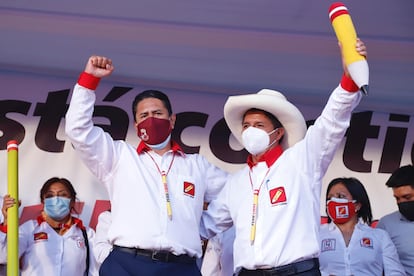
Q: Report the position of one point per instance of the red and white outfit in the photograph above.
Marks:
(289, 184)
(134, 183)
(45, 252)
(369, 252)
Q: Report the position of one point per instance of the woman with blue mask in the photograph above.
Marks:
(56, 243)
(349, 246)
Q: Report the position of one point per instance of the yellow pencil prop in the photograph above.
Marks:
(13, 212)
(344, 29)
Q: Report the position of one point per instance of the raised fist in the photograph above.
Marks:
(99, 66)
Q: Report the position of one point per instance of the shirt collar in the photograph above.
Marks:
(360, 224)
(332, 226)
(175, 147)
(402, 218)
(75, 221)
(269, 157)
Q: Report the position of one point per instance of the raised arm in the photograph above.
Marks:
(94, 146)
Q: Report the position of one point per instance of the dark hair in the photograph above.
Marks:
(54, 180)
(358, 192)
(275, 122)
(403, 176)
(151, 94)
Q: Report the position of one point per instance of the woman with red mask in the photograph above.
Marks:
(349, 246)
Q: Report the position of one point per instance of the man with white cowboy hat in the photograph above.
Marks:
(274, 201)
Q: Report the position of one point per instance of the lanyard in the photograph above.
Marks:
(165, 183)
(256, 193)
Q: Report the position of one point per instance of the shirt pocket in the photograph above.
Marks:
(185, 195)
(183, 187)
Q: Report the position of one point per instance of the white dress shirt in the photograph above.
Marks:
(1, 206)
(369, 252)
(218, 257)
(135, 188)
(288, 214)
(102, 246)
(45, 252)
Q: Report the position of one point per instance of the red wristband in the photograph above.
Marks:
(348, 84)
(88, 81)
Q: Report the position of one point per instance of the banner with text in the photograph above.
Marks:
(32, 110)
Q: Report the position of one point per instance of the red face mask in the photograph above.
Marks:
(340, 210)
(154, 131)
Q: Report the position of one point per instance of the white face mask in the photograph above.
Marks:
(256, 140)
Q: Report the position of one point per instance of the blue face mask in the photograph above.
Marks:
(160, 145)
(57, 207)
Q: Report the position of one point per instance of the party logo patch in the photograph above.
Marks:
(189, 189)
(367, 242)
(40, 236)
(277, 196)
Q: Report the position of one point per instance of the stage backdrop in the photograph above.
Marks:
(32, 110)
(199, 52)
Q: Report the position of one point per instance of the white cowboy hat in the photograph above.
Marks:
(271, 101)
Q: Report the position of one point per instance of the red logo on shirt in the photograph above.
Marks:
(277, 196)
(80, 242)
(367, 242)
(189, 189)
(40, 236)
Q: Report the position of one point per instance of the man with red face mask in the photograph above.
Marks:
(349, 246)
(156, 190)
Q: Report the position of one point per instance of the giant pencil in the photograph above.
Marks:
(344, 29)
(13, 212)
